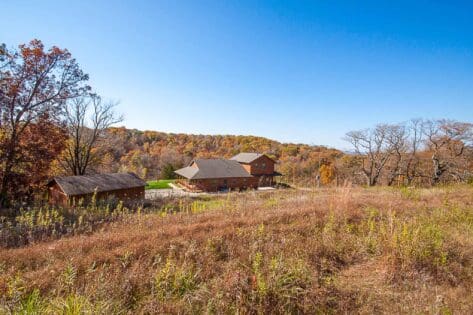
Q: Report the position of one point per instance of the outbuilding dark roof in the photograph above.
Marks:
(213, 168)
(248, 157)
(87, 184)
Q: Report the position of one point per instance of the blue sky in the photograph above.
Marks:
(294, 71)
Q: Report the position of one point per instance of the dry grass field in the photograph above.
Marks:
(339, 250)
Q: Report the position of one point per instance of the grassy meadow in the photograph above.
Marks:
(159, 184)
(334, 250)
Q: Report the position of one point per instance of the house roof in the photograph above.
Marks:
(248, 157)
(86, 184)
(213, 168)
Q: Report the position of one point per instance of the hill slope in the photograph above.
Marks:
(154, 154)
(335, 250)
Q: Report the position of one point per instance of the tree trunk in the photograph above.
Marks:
(391, 180)
(6, 176)
(439, 169)
(4, 193)
(370, 181)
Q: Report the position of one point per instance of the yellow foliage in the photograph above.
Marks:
(327, 173)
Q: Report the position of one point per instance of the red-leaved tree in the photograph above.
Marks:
(35, 85)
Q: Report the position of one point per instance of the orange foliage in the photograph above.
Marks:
(135, 150)
(327, 173)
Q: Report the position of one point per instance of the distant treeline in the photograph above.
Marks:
(419, 152)
(154, 154)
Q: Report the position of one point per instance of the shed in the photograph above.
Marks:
(68, 190)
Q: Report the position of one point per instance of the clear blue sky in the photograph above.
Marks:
(300, 71)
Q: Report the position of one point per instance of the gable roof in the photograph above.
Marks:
(87, 184)
(213, 168)
(248, 157)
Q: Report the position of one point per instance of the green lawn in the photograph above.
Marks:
(159, 184)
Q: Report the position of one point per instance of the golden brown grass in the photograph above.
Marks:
(340, 250)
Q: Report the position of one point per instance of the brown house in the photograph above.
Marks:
(245, 170)
(258, 165)
(69, 190)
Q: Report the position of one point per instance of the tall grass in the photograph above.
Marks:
(38, 224)
(344, 250)
(43, 223)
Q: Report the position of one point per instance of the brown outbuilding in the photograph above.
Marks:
(70, 190)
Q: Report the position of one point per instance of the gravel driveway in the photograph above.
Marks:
(171, 192)
(151, 194)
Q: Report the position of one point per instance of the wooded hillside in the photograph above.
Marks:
(418, 152)
(153, 154)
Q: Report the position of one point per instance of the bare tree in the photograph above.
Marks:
(407, 141)
(415, 129)
(448, 141)
(375, 149)
(399, 151)
(86, 132)
(397, 143)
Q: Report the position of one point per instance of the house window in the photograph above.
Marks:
(264, 165)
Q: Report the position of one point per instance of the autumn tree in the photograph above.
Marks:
(35, 85)
(348, 169)
(327, 173)
(41, 143)
(87, 119)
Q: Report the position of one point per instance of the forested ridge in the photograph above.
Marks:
(153, 154)
(417, 152)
